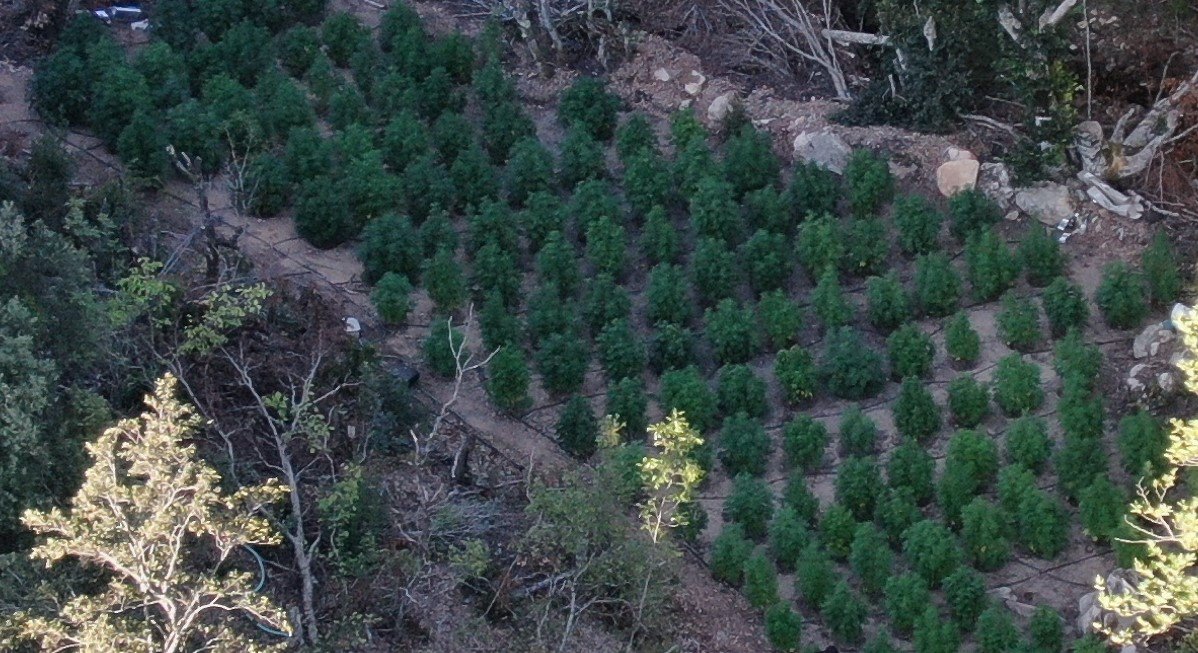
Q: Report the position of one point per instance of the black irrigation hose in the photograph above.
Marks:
(262, 583)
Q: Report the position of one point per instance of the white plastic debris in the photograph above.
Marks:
(352, 326)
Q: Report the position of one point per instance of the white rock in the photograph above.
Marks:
(1167, 382)
(1048, 203)
(353, 326)
(720, 107)
(955, 176)
(995, 181)
(824, 149)
(1178, 312)
(695, 87)
(1148, 342)
(1135, 386)
(661, 75)
(959, 154)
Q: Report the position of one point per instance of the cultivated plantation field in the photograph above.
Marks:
(909, 433)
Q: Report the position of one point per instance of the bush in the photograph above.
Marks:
(437, 186)
(1017, 386)
(731, 332)
(474, 179)
(1019, 322)
(626, 401)
(916, 414)
(1142, 444)
(577, 429)
(858, 433)
(744, 446)
(588, 105)
(871, 559)
(390, 244)
(1065, 306)
(911, 352)
(813, 190)
(714, 272)
(647, 183)
(960, 340)
(686, 391)
(867, 247)
(849, 368)
(766, 257)
(996, 633)
(499, 327)
(439, 347)
(444, 281)
(869, 182)
(788, 536)
(804, 441)
(906, 596)
(620, 350)
(1015, 483)
(120, 94)
(542, 216)
(973, 456)
(666, 295)
(798, 496)
(1101, 507)
(1121, 296)
(670, 347)
(562, 361)
(829, 303)
(495, 270)
(991, 266)
(886, 301)
(932, 551)
(837, 528)
(814, 576)
(61, 88)
(918, 224)
(968, 401)
(740, 391)
(713, 210)
(911, 469)
(322, 215)
(750, 504)
(1045, 631)
(1078, 462)
(783, 628)
(267, 175)
(692, 164)
(844, 614)
(142, 147)
(937, 285)
(820, 245)
(896, 513)
(796, 373)
(581, 158)
(547, 314)
(1161, 275)
(507, 380)
(965, 595)
(504, 125)
(972, 212)
(780, 318)
(604, 301)
(984, 535)
(761, 582)
(342, 35)
(659, 238)
(529, 169)
(858, 486)
(729, 553)
(594, 200)
(749, 161)
(606, 246)
(935, 635)
(769, 209)
(1043, 524)
(346, 107)
(1076, 362)
(1041, 257)
(635, 136)
(392, 298)
(1028, 444)
(1081, 413)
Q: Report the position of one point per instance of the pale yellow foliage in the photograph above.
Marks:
(151, 513)
(1166, 592)
(672, 476)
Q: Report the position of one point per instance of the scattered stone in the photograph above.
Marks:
(720, 107)
(957, 175)
(900, 171)
(1011, 215)
(353, 327)
(1048, 203)
(959, 154)
(824, 149)
(661, 75)
(995, 181)
(1167, 382)
(1148, 342)
(1179, 312)
(696, 87)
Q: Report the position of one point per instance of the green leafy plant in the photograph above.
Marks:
(916, 414)
(1045, 631)
(849, 368)
(322, 215)
(858, 433)
(626, 403)
(798, 496)
(906, 596)
(659, 238)
(1161, 275)
(740, 391)
(813, 190)
(731, 332)
(804, 441)
(577, 429)
(871, 559)
(1078, 462)
(1101, 508)
(896, 512)
(918, 224)
(604, 301)
(788, 536)
(814, 576)
(783, 627)
(858, 486)
(965, 596)
(606, 246)
(937, 285)
(911, 352)
(820, 245)
(867, 247)
(911, 469)
(647, 183)
(932, 550)
(1065, 306)
(972, 212)
(886, 302)
(1018, 322)
(796, 373)
(685, 390)
(984, 535)
(1041, 256)
(766, 257)
(666, 295)
(392, 298)
(844, 614)
(440, 347)
(581, 158)
(1017, 387)
(620, 350)
(670, 347)
(934, 634)
(960, 340)
(749, 161)
(1028, 444)
(635, 136)
(829, 303)
(729, 552)
(996, 632)
(529, 169)
(970, 466)
(508, 379)
(991, 266)
(1121, 296)
(562, 361)
(714, 272)
(869, 182)
(968, 401)
(780, 318)
(761, 582)
(750, 504)
(1142, 444)
(837, 528)
(713, 211)
(744, 446)
(1076, 362)
(588, 105)
(1043, 524)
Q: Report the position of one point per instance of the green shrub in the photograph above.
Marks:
(984, 535)
(896, 513)
(142, 147)
(307, 155)
(911, 468)
(686, 391)
(740, 391)
(1161, 275)
(1121, 296)
(769, 209)
(871, 559)
(389, 244)
(562, 361)
(858, 486)
(973, 457)
(849, 368)
(916, 414)
(1028, 444)
(670, 347)
(972, 212)
(798, 496)
(444, 281)
(557, 264)
(342, 35)
(606, 246)
(1043, 524)
(968, 401)
(1041, 257)
(804, 441)
(932, 551)
(604, 301)
(1015, 483)
(1101, 508)
(474, 179)
(911, 352)
(886, 301)
(577, 429)
(581, 158)
(965, 596)
(495, 270)
(392, 298)
(780, 318)
(635, 136)
(659, 238)
(370, 190)
(1045, 631)
(960, 340)
(322, 216)
(996, 632)
(788, 536)
(165, 72)
(933, 634)
(452, 134)
(837, 528)
(267, 175)
(620, 350)
(1081, 413)
(542, 215)
(529, 169)
(813, 190)
(858, 433)
(61, 88)
(937, 285)
(820, 245)
(1076, 362)
(626, 401)
(647, 183)
(766, 257)
(504, 125)
(844, 614)
(867, 247)
(918, 224)
(435, 183)
(749, 161)
(1019, 322)
(714, 272)
(692, 164)
(1017, 386)
(120, 94)
(750, 504)
(731, 332)
(499, 327)
(1142, 444)
(713, 211)
(589, 106)
(796, 373)
(508, 379)
(347, 107)
(439, 347)
(783, 627)
(906, 596)
(620, 470)
(1065, 306)
(454, 53)
(729, 553)
(1078, 462)
(744, 446)
(666, 295)
(547, 314)
(869, 182)
(814, 576)
(829, 303)
(761, 582)
(193, 129)
(991, 266)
